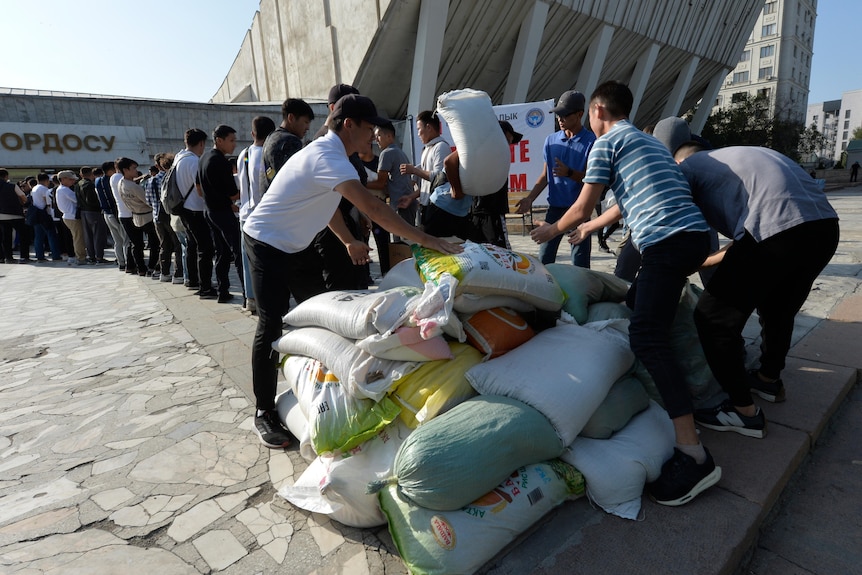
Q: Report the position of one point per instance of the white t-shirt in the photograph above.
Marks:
(187, 172)
(123, 210)
(433, 155)
(301, 199)
(41, 196)
(67, 202)
(249, 176)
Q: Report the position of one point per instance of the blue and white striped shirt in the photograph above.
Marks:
(649, 187)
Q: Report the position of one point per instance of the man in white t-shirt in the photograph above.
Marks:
(44, 230)
(124, 214)
(251, 173)
(67, 201)
(303, 199)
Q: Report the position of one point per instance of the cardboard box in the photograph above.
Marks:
(398, 252)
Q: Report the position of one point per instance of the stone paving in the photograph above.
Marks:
(126, 440)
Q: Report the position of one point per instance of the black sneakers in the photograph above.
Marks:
(211, 293)
(270, 430)
(682, 479)
(725, 417)
(770, 391)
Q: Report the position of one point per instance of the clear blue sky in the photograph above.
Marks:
(183, 49)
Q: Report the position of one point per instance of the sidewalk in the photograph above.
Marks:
(126, 446)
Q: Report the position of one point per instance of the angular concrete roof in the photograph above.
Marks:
(671, 52)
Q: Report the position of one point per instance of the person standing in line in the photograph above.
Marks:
(199, 248)
(92, 222)
(135, 198)
(43, 227)
(251, 174)
(67, 201)
(220, 193)
(303, 198)
(565, 155)
(854, 171)
(286, 139)
(124, 215)
(673, 237)
(169, 245)
(12, 200)
(110, 213)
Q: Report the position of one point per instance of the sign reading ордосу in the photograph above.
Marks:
(61, 145)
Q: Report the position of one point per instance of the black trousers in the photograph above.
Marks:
(136, 237)
(774, 277)
(225, 232)
(274, 276)
(199, 230)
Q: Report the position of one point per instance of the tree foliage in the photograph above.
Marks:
(812, 143)
(857, 134)
(749, 121)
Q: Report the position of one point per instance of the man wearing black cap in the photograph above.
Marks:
(278, 234)
(488, 213)
(565, 155)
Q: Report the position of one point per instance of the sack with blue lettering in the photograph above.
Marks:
(463, 540)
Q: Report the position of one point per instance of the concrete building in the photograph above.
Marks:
(837, 119)
(54, 130)
(776, 60)
(403, 53)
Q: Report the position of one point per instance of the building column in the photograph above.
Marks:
(680, 88)
(427, 55)
(704, 109)
(641, 75)
(591, 71)
(526, 52)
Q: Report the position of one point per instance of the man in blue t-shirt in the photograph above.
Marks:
(565, 154)
(672, 235)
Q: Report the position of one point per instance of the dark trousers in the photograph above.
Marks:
(225, 232)
(441, 224)
(774, 277)
(654, 298)
(199, 230)
(169, 246)
(191, 257)
(548, 250)
(381, 238)
(136, 237)
(95, 234)
(487, 229)
(47, 232)
(274, 276)
(6, 228)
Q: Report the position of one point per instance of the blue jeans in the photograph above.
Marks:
(654, 298)
(548, 251)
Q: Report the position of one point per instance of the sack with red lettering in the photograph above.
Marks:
(461, 541)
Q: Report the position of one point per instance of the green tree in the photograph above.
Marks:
(857, 134)
(812, 143)
(749, 121)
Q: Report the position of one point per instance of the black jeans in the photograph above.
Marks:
(199, 230)
(6, 229)
(168, 245)
(274, 276)
(135, 253)
(654, 298)
(774, 277)
(225, 233)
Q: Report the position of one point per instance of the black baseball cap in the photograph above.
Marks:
(570, 102)
(507, 127)
(357, 107)
(339, 90)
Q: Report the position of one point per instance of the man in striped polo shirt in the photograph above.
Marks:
(672, 236)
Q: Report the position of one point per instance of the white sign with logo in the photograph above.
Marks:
(536, 122)
(59, 145)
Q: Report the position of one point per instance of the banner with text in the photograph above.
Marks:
(68, 145)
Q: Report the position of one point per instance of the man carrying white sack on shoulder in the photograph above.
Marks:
(302, 200)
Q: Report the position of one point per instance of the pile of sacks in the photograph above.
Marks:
(446, 404)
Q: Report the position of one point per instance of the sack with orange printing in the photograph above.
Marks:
(496, 331)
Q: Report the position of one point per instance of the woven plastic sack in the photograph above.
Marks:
(366, 375)
(483, 151)
(405, 344)
(404, 273)
(462, 541)
(467, 303)
(584, 287)
(484, 269)
(626, 398)
(337, 421)
(565, 372)
(291, 415)
(457, 457)
(436, 387)
(617, 469)
(335, 486)
(354, 314)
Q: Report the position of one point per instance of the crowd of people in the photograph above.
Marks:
(294, 218)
